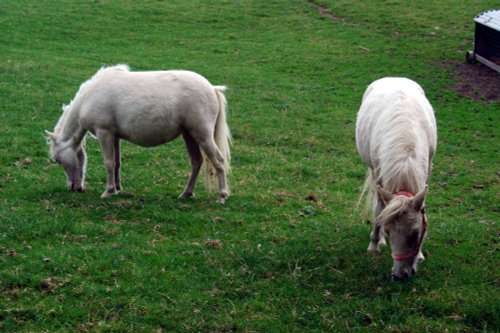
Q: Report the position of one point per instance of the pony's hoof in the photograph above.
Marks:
(373, 248)
(222, 197)
(186, 196)
(73, 188)
(109, 193)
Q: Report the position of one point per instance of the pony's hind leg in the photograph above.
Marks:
(215, 157)
(107, 141)
(196, 161)
(118, 163)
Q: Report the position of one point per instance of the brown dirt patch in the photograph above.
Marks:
(325, 11)
(476, 81)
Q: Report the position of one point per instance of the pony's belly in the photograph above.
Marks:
(151, 137)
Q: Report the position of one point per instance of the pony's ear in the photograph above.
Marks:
(51, 136)
(384, 194)
(418, 201)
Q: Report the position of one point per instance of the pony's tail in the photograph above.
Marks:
(369, 194)
(223, 140)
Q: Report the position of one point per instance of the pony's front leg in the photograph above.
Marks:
(107, 141)
(377, 237)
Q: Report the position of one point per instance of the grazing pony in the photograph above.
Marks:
(396, 137)
(147, 109)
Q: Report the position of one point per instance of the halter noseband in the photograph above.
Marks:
(415, 251)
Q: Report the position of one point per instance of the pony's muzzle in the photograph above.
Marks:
(399, 277)
(402, 275)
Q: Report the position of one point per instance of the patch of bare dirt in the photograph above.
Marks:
(325, 11)
(476, 81)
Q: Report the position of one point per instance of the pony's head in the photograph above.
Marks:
(404, 221)
(72, 159)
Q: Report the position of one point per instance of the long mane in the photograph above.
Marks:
(402, 145)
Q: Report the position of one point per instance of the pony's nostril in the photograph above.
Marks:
(400, 276)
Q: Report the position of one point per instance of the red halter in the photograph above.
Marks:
(418, 248)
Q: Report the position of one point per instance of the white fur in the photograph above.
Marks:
(396, 137)
(148, 109)
(396, 134)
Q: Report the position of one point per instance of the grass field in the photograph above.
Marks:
(287, 250)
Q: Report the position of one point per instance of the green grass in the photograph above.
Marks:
(270, 260)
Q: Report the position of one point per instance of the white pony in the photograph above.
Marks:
(147, 109)
(396, 137)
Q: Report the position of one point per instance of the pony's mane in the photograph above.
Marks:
(402, 174)
(399, 159)
(66, 108)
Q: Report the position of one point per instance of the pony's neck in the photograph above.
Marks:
(69, 128)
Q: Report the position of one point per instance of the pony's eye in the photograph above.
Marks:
(414, 237)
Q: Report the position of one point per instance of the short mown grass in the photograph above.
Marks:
(287, 251)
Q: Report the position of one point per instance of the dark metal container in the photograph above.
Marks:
(487, 40)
